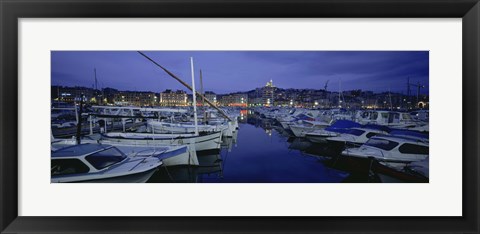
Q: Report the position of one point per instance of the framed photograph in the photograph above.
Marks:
(226, 116)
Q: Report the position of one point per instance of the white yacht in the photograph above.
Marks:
(171, 155)
(387, 118)
(338, 127)
(94, 163)
(393, 150)
(303, 127)
(296, 115)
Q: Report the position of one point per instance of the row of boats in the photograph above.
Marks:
(133, 156)
(394, 140)
(163, 137)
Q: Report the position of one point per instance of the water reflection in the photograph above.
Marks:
(211, 166)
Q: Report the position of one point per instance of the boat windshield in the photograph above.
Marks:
(408, 148)
(105, 158)
(356, 132)
(67, 167)
(381, 143)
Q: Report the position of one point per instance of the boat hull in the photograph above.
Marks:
(188, 157)
(301, 131)
(134, 178)
(209, 141)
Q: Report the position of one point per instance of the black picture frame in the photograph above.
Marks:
(11, 11)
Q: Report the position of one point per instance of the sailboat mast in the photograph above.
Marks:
(203, 99)
(194, 98)
(201, 88)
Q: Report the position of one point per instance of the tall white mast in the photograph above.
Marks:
(194, 98)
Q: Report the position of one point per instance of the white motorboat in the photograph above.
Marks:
(387, 118)
(303, 127)
(393, 150)
(171, 155)
(296, 115)
(338, 127)
(98, 163)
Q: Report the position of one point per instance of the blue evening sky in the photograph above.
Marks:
(231, 71)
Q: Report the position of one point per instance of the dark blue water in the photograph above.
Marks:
(259, 153)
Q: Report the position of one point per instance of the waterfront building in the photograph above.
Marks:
(255, 101)
(131, 98)
(240, 100)
(211, 96)
(268, 94)
(70, 94)
(322, 103)
(173, 98)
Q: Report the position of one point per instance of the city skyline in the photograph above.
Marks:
(246, 70)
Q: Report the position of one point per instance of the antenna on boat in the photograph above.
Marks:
(390, 96)
(194, 98)
(79, 120)
(340, 94)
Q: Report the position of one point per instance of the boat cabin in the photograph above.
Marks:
(385, 118)
(85, 158)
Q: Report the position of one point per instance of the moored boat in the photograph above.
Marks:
(303, 127)
(203, 141)
(95, 163)
(394, 150)
(338, 127)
